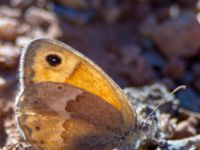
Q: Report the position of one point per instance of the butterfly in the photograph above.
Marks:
(66, 102)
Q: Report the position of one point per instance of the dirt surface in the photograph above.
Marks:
(137, 43)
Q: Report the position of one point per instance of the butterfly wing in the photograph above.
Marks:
(61, 116)
(77, 71)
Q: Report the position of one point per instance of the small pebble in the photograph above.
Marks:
(8, 28)
(174, 68)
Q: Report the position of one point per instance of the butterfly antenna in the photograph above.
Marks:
(181, 87)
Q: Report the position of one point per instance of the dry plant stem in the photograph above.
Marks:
(189, 113)
(195, 141)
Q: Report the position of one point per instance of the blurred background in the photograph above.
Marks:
(137, 42)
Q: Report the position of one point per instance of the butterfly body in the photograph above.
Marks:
(67, 102)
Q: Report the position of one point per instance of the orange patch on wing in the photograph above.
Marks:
(91, 80)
